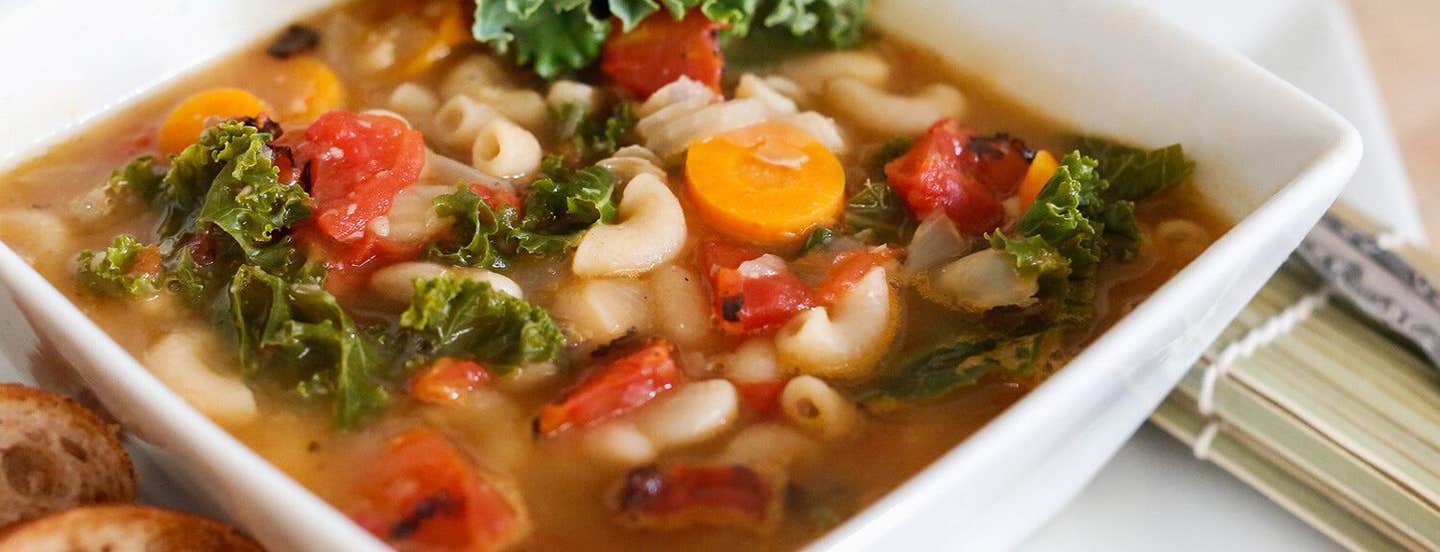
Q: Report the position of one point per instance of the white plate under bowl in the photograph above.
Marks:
(1268, 155)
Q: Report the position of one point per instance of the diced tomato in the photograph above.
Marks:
(661, 49)
(848, 268)
(448, 379)
(147, 262)
(744, 304)
(686, 495)
(423, 494)
(619, 387)
(999, 162)
(495, 199)
(348, 265)
(942, 173)
(761, 397)
(357, 164)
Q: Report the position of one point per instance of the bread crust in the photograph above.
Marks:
(124, 527)
(56, 454)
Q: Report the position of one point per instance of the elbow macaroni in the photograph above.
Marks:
(396, 282)
(813, 405)
(844, 341)
(650, 232)
(685, 111)
(891, 114)
(814, 72)
(632, 161)
(460, 119)
(505, 150)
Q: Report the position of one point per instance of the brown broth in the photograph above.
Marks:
(564, 491)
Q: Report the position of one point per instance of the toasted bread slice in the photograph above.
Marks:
(56, 454)
(123, 528)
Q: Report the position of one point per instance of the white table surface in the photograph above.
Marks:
(1154, 494)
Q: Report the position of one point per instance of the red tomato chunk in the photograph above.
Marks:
(621, 386)
(684, 495)
(423, 494)
(747, 303)
(447, 380)
(661, 49)
(966, 177)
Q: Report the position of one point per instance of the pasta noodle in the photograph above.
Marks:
(891, 114)
(814, 72)
(812, 404)
(412, 217)
(505, 150)
(632, 161)
(460, 120)
(685, 111)
(650, 232)
(397, 282)
(414, 101)
(473, 73)
(845, 340)
(565, 92)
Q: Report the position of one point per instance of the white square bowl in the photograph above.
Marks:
(1270, 157)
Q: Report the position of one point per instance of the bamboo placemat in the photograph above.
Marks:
(1322, 410)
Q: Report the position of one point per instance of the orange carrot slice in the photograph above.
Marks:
(184, 125)
(311, 89)
(1039, 173)
(769, 183)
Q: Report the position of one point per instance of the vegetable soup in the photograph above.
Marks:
(682, 275)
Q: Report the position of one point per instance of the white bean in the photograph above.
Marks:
(689, 414)
(682, 312)
(753, 361)
(37, 236)
(182, 361)
(597, 312)
(619, 442)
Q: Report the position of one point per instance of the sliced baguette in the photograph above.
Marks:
(56, 454)
(124, 528)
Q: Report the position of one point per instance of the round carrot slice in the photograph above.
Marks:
(311, 87)
(184, 125)
(768, 183)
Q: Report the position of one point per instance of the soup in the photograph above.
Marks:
(485, 288)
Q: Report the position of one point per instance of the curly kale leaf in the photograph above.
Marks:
(564, 36)
(297, 335)
(120, 270)
(1135, 174)
(465, 318)
(940, 371)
